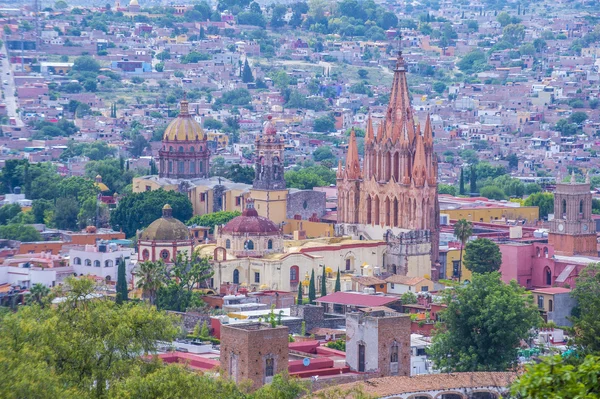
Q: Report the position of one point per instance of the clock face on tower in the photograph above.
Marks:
(584, 228)
(561, 227)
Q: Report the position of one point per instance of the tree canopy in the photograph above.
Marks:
(485, 322)
(585, 318)
(213, 219)
(482, 255)
(97, 349)
(554, 378)
(138, 210)
(309, 177)
(544, 201)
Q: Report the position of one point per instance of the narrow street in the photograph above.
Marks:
(9, 89)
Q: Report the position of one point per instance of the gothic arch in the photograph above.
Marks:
(396, 166)
(387, 212)
(369, 210)
(395, 211)
(377, 210)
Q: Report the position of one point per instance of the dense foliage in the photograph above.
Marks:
(475, 336)
(138, 210)
(482, 255)
(213, 219)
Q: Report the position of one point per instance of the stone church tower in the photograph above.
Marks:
(269, 159)
(268, 188)
(573, 231)
(394, 195)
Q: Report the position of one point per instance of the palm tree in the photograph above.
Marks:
(37, 293)
(150, 277)
(463, 229)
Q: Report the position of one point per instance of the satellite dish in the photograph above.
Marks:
(306, 362)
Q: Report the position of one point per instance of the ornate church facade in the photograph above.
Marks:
(394, 195)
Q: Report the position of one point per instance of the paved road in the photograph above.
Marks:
(9, 89)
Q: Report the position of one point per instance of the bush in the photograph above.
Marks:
(338, 344)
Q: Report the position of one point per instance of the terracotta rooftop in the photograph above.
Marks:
(552, 290)
(406, 280)
(388, 386)
(367, 280)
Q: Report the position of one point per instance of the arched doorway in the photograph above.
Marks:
(547, 276)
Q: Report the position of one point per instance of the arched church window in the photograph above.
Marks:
(581, 209)
(270, 244)
(249, 245)
(145, 254)
(564, 208)
(294, 272)
(545, 252)
(180, 148)
(228, 244)
(236, 276)
(201, 167)
(394, 354)
(305, 204)
(180, 167)
(192, 149)
(170, 148)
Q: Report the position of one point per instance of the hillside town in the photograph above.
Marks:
(353, 199)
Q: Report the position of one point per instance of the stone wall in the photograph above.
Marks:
(305, 203)
(314, 317)
(190, 319)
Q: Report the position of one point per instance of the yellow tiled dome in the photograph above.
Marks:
(184, 127)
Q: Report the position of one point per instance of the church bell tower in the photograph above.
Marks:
(573, 231)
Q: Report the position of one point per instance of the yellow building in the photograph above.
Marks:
(221, 139)
(452, 265)
(492, 214)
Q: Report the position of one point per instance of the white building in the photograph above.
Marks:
(101, 260)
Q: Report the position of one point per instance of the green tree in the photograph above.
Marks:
(46, 351)
(38, 294)
(159, 67)
(473, 179)
(280, 79)
(240, 174)
(338, 283)
(585, 320)
(85, 63)
(578, 117)
(475, 336)
(408, 298)
(182, 277)
(492, 192)
(503, 18)
(213, 219)
(439, 87)
(312, 292)
(299, 299)
(324, 283)
(544, 201)
(122, 291)
(277, 16)
(461, 189)
(137, 210)
(463, 230)
(555, 378)
(446, 189)
(324, 124)
(513, 34)
(473, 62)
(323, 153)
(308, 177)
(66, 212)
(8, 212)
(513, 161)
(247, 76)
(482, 255)
(19, 232)
(61, 5)
(150, 278)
